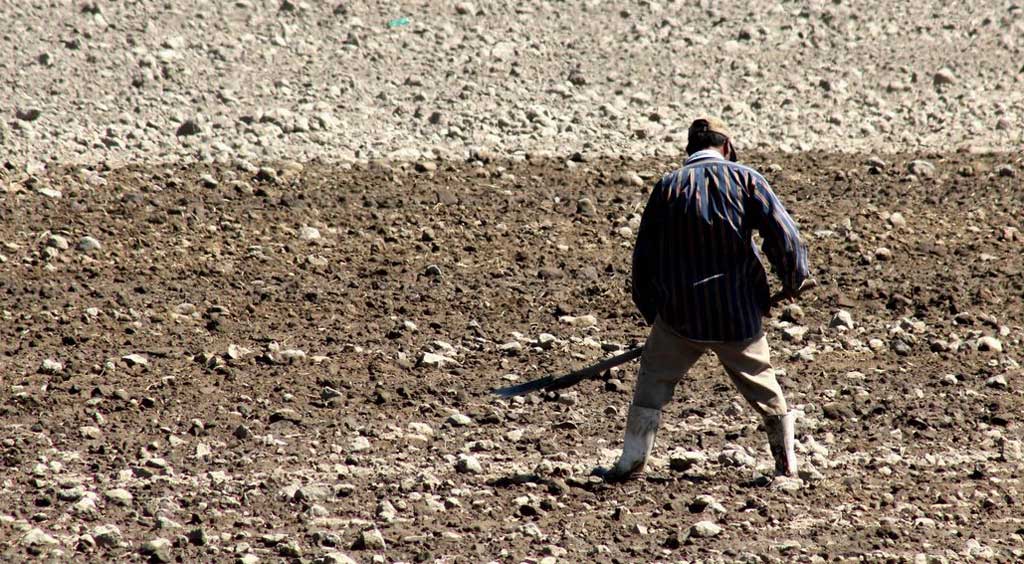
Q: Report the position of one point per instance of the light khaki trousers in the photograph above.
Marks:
(668, 356)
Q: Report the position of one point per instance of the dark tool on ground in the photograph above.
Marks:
(594, 371)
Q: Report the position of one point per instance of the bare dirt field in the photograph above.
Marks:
(208, 363)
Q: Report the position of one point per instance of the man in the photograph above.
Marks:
(698, 279)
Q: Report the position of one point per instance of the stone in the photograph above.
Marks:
(705, 529)
(989, 344)
(309, 233)
(290, 549)
(460, 420)
(794, 333)
(943, 77)
(51, 366)
(58, 242)
(433, 271)
(135, 360)
(370, 539)
(188, 128)
(119, 496)
(157, 549)
(89, 244)
(792, 313)
(335, 558)
(433, 360)
(921, 168)
(108, 536)
(585, 206)
(38, 537)
(681, 461)
(841, 320)
(1006, 171)
(90, 432)
(28, 114)
(998, 381)
(468, 464)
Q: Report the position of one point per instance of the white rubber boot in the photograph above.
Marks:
(782, 442)
(641, 425)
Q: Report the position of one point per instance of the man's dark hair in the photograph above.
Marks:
(702, 139)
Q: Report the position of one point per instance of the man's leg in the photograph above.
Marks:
(666, 359)
(748, 364)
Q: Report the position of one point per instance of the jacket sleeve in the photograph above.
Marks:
(782, 245)
(645, 263)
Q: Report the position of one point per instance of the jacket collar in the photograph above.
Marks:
(704, 155)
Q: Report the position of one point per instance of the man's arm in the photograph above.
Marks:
(645, 259)
(782, 244)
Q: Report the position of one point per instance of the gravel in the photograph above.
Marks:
(264, 80)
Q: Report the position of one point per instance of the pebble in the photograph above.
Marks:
(371, 539)
(51, 366)
(107, 535)
(28, 114)
(58, 242)
(38, 537)
(433, 360)
(705, 529)
(188, 127)
(119, 496)
(792, 313)
(468, 464)
(921, 168)
(336, 558)
(89, 244)
(794, 333)
(989, 344)
(90, 432)
(944, 76)
(581, 321)
(460, 420)
(135, 360)
(841, 320)
(433, 271)
(998, 382)
(309, 233)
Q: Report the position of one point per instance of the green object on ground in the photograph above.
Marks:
(398, 22)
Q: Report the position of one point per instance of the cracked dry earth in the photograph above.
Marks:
(294, 364)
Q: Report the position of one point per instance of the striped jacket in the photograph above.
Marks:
(695, 263)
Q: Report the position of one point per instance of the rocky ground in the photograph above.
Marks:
(262, 261)
(356, 80)
(213, 363)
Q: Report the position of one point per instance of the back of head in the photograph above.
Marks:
(708, 132)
